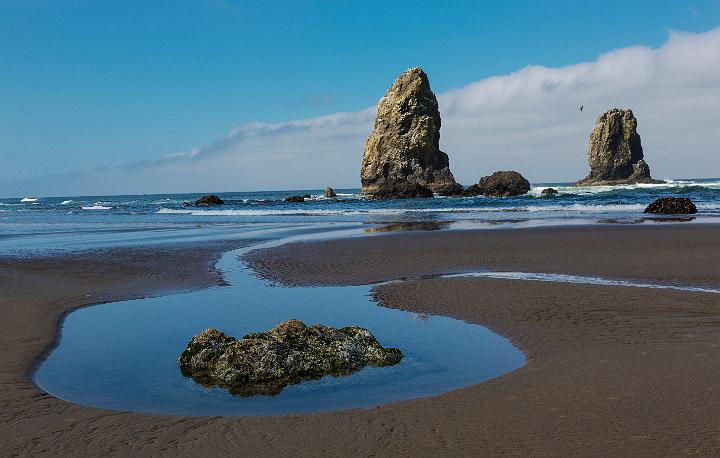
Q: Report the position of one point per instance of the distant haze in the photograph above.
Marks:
(528, 121)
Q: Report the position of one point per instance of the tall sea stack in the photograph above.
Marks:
(403, 149)
(615, 153)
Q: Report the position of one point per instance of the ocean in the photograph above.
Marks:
(26, 222)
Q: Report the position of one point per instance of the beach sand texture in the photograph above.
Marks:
(611, 371)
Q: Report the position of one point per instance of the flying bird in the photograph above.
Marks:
(581, 107)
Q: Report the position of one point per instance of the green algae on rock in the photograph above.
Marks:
(264, 363)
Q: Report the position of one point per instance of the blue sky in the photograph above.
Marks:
(86, 84)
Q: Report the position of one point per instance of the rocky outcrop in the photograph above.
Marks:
(615, 153)
(264, 363)
(450, 190)
(473, 190)
(329, 192)
(210, 199)
(401, 190)
(549, 192)
(499, 184)
(672, 206)
(404, 145)
(295, 199)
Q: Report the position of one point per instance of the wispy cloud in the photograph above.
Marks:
(527, 120)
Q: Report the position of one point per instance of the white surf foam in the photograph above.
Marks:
(669, 184)
(578, 279)
(28, 199)
(575, 208)
(97, 207)
(65, 202)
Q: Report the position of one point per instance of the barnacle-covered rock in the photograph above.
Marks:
(264, 363)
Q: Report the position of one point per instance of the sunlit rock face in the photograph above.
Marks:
(404, 146)
(615, 153)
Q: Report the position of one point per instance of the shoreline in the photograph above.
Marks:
(608, 251)
(212, 277)
(476, 419)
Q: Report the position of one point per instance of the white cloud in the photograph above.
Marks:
(528, 121)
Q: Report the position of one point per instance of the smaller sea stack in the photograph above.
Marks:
(615, 153)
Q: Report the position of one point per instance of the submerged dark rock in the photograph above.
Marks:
(264, 363)
(210, 199)
(404, 145)
(615, 153)
(503, 184)
(295, 199)
(329, 192)
(549, 192)
(401, 190)
(672, 206)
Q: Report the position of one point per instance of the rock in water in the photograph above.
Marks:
(614, 151)
(401, 190)
(404, 146)
(329, 192)
(473, 190)
(672, 206)
(295, 199)
(210, 199)
(549, 192)
(503, 184)
(264, 363)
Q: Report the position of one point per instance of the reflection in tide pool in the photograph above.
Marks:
(123, 355)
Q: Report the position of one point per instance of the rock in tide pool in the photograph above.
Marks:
(264, 363)
(615, 153)
(404, 146)
(672, 206)
(499, 184)
(329, 192)
(549, 192)
(210, 199)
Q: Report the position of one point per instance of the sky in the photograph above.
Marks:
(106, 97)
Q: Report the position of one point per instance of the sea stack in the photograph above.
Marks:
(404, 146)
(615, 153)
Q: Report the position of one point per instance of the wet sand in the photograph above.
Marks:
(611, 371)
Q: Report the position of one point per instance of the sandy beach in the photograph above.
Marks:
(611, 371)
